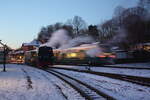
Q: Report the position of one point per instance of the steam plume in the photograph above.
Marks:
(58, 38)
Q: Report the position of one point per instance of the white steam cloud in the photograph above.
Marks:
(77, 42)
(58, 38)
(61, 40)
(94, 51)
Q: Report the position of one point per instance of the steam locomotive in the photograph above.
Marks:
(43, 57)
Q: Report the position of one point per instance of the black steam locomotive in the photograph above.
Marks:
(43, 57)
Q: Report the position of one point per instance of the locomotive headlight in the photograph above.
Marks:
(73, 54)
(20, 57)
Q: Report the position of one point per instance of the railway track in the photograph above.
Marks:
(125, 67)
(144, 81)
(122, 67)
(87, 91)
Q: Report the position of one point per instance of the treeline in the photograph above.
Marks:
(128, 26)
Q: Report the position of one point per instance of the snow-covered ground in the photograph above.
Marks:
(21, 82)
(133, 72)
(121, 90)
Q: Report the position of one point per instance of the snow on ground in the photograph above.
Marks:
(121, 90)
(133, 72)
(21, 82)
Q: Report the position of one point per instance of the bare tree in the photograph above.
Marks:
(118, 11)
(144, 4)
(57, 26)
(93, 32)
(43, 35)
(69, 29)
(107, 30)
(78, 24)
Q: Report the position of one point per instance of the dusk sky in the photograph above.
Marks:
(21, 20)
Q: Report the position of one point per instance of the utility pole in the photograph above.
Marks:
(4, 62)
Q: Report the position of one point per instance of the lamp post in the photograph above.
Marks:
(4, 62)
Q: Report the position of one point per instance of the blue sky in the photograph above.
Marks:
(21, 20)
